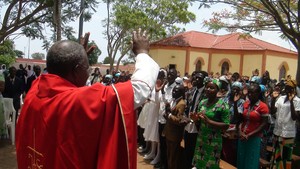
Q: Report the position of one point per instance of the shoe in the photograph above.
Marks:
(149, 157)
(141, 149)
(155, 161)
(157, 165)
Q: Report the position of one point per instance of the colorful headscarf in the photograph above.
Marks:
(262, 88)
(255, 79)
(237, 84)
(217, 83)
(109, 76)
(291, 83)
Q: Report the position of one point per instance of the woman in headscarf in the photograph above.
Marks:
(254, 119)
(230, 137)
(287, 109)
(213, 115)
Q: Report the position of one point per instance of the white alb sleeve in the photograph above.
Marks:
(144, 78)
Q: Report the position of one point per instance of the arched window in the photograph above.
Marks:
(282, 72)
(225, 68)
(198, 65)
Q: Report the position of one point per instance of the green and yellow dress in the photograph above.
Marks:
(209, 142)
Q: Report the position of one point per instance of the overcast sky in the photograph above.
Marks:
(95, 27)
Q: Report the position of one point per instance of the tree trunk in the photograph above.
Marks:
(57, 18)
(298, 70)
(109, 38)
(111, 66)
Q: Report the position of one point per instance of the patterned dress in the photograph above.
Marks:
(209, 142)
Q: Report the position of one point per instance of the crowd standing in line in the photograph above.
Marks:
(232, 118)
(225, 117)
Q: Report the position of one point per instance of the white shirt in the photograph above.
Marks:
(285, 126)
(165, 98)
(143, 78)
(29, 73)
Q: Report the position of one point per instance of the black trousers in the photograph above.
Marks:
(174, 154)
(189, 148)
(163, 147)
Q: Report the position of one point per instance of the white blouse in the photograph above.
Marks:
(285, 126)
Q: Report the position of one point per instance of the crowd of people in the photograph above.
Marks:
(15, 83)
(215, 118)
(72, 118)
(111, 77)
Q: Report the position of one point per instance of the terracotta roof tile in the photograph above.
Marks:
(234, 41)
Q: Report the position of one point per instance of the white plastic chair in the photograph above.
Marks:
(10, 118)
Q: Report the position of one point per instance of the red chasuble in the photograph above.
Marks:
(65, 127)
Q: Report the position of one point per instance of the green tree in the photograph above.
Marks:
(93, 57)
(30, 17)
(7, 54)
(107, 60)
(158, 17)
(256, 16)
(127, 61)
(19, 53)
(37, 55)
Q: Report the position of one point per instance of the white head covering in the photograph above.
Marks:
(178, 80)
(223, 78)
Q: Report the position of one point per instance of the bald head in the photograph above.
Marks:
(63, 56)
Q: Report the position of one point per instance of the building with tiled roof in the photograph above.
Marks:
(42, 63)
(190, 51)
(31, 62)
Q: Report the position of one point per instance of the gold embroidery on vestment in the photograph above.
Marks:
(34, 155)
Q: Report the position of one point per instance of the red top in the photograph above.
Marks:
(63, 126)
(252, 116)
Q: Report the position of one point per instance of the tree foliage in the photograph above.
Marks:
(37, 55)
(127, 61)
(107, 60)
(31, 17)
(157, 17)
(93, 57)
(19, 53)
(7, 54)
(256, 16)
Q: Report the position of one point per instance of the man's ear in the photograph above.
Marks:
(75, 71)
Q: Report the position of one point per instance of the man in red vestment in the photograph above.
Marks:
(65, 124)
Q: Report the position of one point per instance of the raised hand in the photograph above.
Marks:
(245, 91)
(204, 118)
(291, 96)
(267, 93)
(237, 96)
(275, 94)
(140, 42)
(159, 85)
(84, 42)
(194, 116)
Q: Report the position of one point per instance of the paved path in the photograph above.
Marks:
(8, 157)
